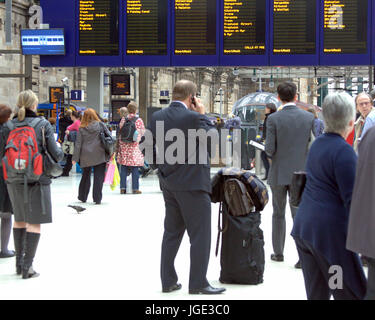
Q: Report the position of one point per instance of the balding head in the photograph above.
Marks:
(183, 89)
(363, 103)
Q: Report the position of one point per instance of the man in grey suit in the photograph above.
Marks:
(288, 137)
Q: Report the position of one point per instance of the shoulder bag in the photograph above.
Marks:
(106, 140)
(51, 168)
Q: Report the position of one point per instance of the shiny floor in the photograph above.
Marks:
(112, 251)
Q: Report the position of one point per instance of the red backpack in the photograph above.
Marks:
(22, 162)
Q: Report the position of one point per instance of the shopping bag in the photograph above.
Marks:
(111, 167)
(116, 178)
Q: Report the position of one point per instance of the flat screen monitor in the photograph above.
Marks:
(42, 41)
(120, 84)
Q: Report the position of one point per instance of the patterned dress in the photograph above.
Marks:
(128, 152)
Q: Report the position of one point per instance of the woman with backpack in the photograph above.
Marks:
(89, 153)
(31, 204)
(129, 156)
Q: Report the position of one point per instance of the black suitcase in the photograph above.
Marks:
(242, 248)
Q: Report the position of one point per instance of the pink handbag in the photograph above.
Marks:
(111, 167)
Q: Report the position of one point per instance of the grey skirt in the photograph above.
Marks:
(38, 208)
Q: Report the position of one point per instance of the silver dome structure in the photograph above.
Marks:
(256, 99)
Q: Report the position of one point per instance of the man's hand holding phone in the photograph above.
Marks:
(197, 106)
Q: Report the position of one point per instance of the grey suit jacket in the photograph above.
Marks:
(361, 235)
(288, 136)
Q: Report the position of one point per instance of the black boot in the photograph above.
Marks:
(32, 240)
(19, 237)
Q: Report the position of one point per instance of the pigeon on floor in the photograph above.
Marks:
(77, 208)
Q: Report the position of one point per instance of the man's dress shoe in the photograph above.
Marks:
(207, 290)
(175, 287)
(298, 265)
(277, 257)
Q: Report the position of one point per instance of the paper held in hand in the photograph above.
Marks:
(257, 145)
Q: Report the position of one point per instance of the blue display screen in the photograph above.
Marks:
(139, 33)
(43, 41)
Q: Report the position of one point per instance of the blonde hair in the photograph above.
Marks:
(132, 107)
(26, 100)
(88, 116)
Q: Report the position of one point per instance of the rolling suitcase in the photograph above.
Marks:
(242, 248)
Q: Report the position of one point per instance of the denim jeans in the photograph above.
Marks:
(124, 174)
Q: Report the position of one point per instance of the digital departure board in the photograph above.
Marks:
(195, 27)
(345, 26)
(146, 27)
(98, 27)
(56, 95)
(244, 27)
(201, 33)
(120, 84)
(294, 27)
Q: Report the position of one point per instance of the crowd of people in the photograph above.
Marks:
(333, 223)
(30, 201)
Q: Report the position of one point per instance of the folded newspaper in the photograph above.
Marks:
(257, 145)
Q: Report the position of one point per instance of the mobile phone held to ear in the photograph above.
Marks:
(193, 101)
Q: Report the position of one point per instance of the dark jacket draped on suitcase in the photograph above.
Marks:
(242, 249)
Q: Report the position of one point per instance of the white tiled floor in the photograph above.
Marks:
(112, 251)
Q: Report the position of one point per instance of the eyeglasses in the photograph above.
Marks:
(364, 103)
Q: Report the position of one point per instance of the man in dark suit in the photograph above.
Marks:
(288, 136)
(186, 188)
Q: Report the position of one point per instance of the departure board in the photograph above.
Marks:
(244, 27)
(294, 27)
(345, 27)
(98, 27)
(195, 27)
(56, 95)
(146, 27)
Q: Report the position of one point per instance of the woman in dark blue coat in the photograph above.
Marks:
(321, 224)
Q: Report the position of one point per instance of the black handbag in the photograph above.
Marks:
(51, 168)
(107, 141)
(297, 187)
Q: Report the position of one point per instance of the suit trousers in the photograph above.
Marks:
(85, 184)
(266, 162)
(316, 274)
(191, 211)
(279, 194)
(370, 294)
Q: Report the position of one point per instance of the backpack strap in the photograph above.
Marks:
(35, 121)
(220, 227)
(10, 125)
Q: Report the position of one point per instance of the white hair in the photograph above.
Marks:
(338, 110)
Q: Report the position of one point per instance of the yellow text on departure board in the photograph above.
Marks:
(183, 4)
(135, 7)
(334, 14)
(231, 24)
(281, 6)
